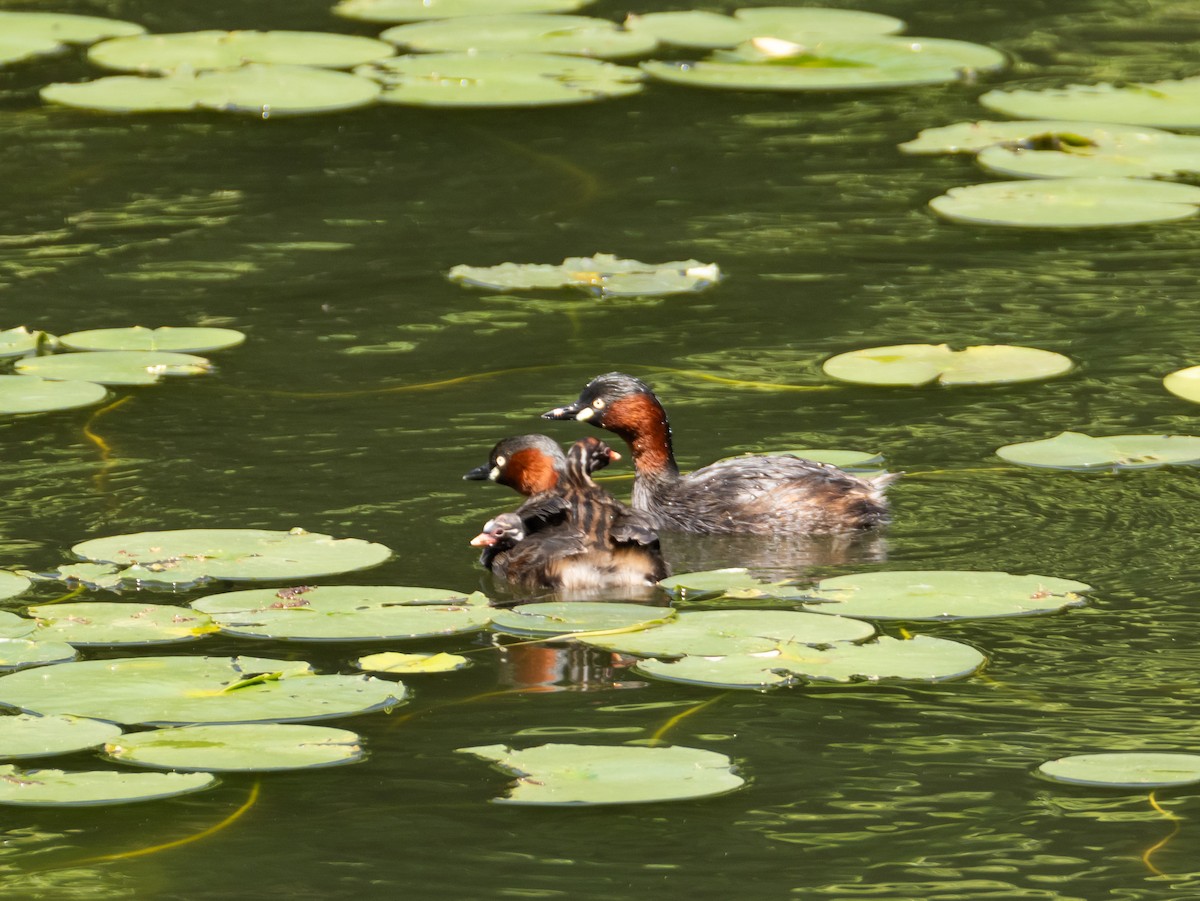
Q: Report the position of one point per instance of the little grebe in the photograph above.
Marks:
(754, 493)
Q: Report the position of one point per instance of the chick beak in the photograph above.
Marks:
(483, 539)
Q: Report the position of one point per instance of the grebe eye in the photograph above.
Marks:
(501, 460)
(598, 403)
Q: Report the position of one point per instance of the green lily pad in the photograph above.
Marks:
(731, 582)
(187, 556)
(922, 659)
(832, 64)
(63, 27)
(561, 774)
(602, 275)
(19, 653)
(114, 367)
(1184, 383)
(258, 89)
(499, 79)
(419, 10)
(528, 33)
(55, 788)
(1068, 203)
(32, 394)
(18, 50)
(92, 575)
(17, 342)
(185, 690)
(923, 364)
(11, 584)
(393, 662)
(722, 632)
(260, 747)
(710, 30)
(945, 595)
(198, 50)
(1124, 770)
(29, 735)
(1162, 104)
(1163, 156)
(13, 626)
(1072, 450)
(972, 137)
(176, 340)
(344, 613)
(577, 616)
(104, 623)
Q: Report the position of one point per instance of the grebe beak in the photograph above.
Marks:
(613, 456)
(480, 473)
(483, 539)
(571, 411)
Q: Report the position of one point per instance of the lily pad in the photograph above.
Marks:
(19, 653)
(1162, 104)
(29, 735)
(731, 582)
(187, 556)
(529, 33)
(344, 613)
(923, 364)
(1184, 383)
(418, 10)
(198, 50)
(104, 623)
(257, 89)
(17, 342)
(17, 49)
(832, 64)
(404, 664)
(577, 616)
(562, 774)
(63, 27)
(602, 275)
(55, 788)
(92, 575)
(260, 747)
(1073, 450)
(32, 394)
(176, 340)
(185, 690)
(1163, 157)
(1124, 770)
(13, 626)
(921, 659)
(499, 79)
(11, 584)
(1068, 203)
(115, 367)
(710, 30)
(972, 137)
(713, 633)
(945, 595)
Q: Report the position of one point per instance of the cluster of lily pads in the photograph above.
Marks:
(602, 275)
(77, 369)
(474, 53)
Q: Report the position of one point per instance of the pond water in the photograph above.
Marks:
(369, 384)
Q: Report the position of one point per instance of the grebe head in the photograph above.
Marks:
(528, 464)
(624, 405)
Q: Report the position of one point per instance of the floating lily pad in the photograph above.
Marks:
(11, 584)
(18, 653)
(1144, 156)
(1184, 383)
(945, 595)
(259, 747)
(1068, 203)
(921, 659)
(13, 626)
(393, 662)
(529, 33)
(260, 90)
(102, 623)
(577, 616)
(833, 64)
(63, 27)
(33, 394)
(561, 774)
(344, 613)
(93, 575)
(1072, 450)
(186, 556)
(1163, 104)
(184, 690)
(55, 788)
(721, 632)
(17, 342)
(499, 79)
(418, 10)
(924, 364)
(1125, 770)
(710, 30)
(731, 582)
(17, 50)
(197, 50)
(972, 137)
(115, 367)
(29, 735)
(176, 340)
(603, 275)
